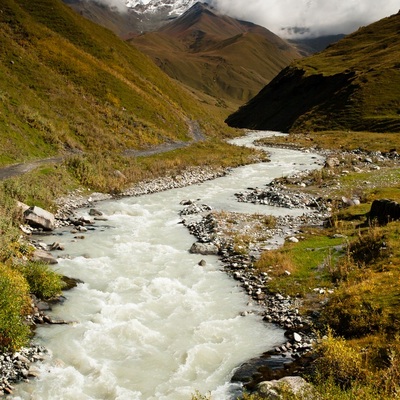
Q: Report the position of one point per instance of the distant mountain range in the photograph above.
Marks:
(136, 17)
(223, 57)
(172, 8)
(352, 85)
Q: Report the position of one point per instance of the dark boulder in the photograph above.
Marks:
(384, 211)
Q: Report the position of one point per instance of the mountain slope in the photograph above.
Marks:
(68, 85)
(133, 17)
(221, 56)
(352, 85)
(309, 46)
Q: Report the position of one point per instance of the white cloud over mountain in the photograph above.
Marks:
(320, 16)
(290, 17)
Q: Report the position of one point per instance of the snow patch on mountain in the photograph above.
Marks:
(172, 7)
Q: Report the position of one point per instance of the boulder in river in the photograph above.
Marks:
(42, 255)
(204, 248)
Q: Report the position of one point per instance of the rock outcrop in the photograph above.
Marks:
(384, 211)
(289, 385)
(39, 218)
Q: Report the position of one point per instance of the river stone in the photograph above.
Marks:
(204, 248)
(297, 337)
(95, 213)
(277, 389)
(39, 218)
(41, 255)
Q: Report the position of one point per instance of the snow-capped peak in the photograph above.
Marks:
(172, 7)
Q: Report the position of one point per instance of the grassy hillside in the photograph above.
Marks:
(352, 85)
(228, 59)
(68, 85)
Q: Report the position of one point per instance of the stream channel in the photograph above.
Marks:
(150, 323)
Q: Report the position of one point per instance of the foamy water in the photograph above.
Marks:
(150, 323)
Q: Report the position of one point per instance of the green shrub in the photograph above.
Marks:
(43, 282)
(339, 361)
(9, 217)
(369, 246)
(14, 304)
(351, 314)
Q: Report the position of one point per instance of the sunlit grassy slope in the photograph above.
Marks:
(67, 84)
(352, 85)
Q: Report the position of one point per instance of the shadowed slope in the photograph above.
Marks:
(354, 84)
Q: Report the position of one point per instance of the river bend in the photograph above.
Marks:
(150, 323)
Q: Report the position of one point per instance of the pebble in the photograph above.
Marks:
(276, 308)
(17, 367)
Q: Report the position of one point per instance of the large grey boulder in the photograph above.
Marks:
(275, 390)
(44, 256)
(39, 218)
(204, 248)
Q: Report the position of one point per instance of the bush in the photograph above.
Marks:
(338, 361)
(43, 282)
(353, 315)
(369, 247)
(14, 304)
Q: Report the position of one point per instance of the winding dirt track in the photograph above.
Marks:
(19, 169)
(22, 168)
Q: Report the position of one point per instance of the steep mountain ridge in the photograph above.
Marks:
(68, 85)
(134, 16)
(172, 8)
(219, 55)
(352, 85)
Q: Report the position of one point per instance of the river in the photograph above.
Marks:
(150, 323)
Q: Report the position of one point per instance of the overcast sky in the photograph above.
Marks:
(312, 17)
(320, 16)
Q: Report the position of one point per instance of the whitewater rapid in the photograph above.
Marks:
(149, 321)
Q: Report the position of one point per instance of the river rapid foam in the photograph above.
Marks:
(149, 321)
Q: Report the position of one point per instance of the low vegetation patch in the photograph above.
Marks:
(301, 266)
(43, 282)
(14, 305)
(356, 263)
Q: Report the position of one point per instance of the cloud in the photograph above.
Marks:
(120, 5)
(294, 18)
(312, 17)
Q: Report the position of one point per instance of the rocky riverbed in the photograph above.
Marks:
(214, 237)
(19, 366)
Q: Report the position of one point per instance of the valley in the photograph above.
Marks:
(99, 103)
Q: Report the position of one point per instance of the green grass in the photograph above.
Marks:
(351, 86)
(43, 282)
(68, 85)
(307, 261)
(15, 303)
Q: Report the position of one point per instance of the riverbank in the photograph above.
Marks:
(238, 264)
(65, 216)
